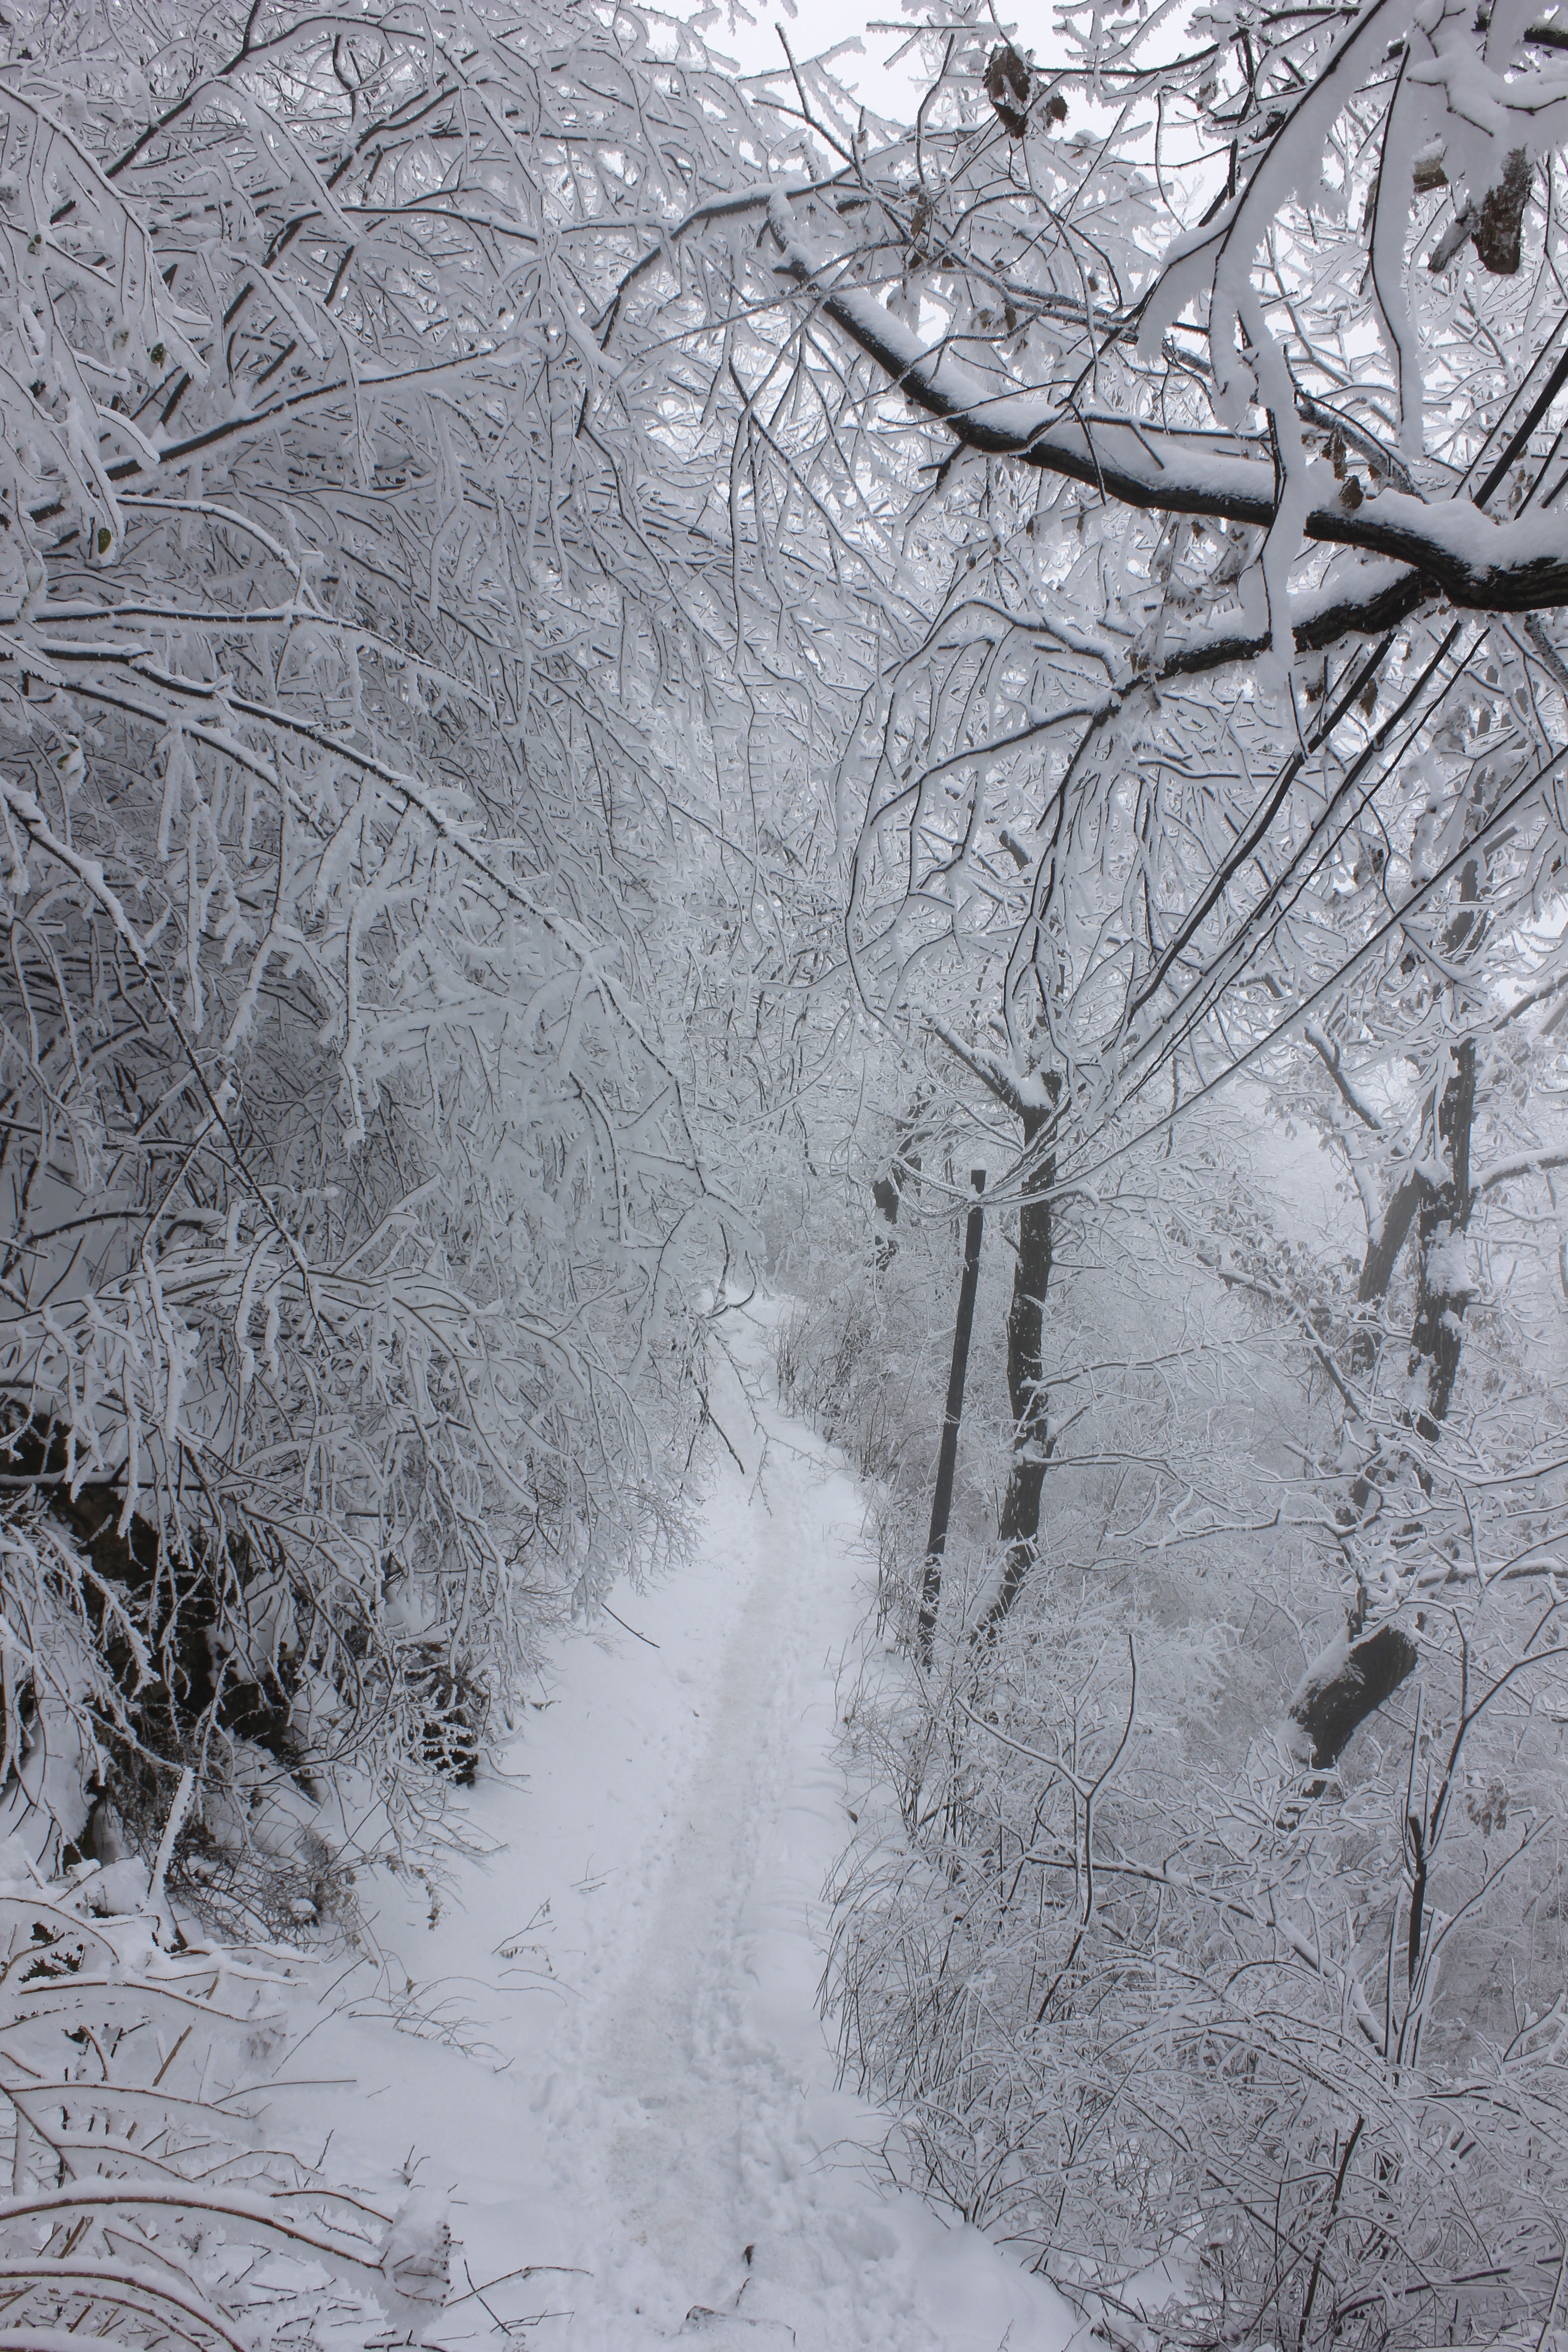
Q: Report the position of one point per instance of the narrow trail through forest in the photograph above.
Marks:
(642, 1957)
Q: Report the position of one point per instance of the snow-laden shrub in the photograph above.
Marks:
(1139, 1990)
(355, 1187)
(150, 2202)
(1305, 2044)
(839, 1365)
(79, 1781)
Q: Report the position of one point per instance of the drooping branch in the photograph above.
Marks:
(1525, 1163)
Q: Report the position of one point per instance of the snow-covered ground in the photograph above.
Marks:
(643, 2142)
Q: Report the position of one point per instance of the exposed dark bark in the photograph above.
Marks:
(1340, 1689)
(1377, 1273)
(1498, 230)
(885, 1195)
(947, 1457)
(1019, 1525)
(1442, 1213)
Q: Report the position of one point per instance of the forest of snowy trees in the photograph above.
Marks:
(611, 674)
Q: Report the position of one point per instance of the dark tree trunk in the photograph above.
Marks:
(947, 1457)
(1347, 1685)
(1377, 1273)
(1438, 1332)
(1019, 1525)
(1443, 1213)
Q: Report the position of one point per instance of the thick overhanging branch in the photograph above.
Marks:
(1365, 607)
(1527, 1164)
(1448, 547)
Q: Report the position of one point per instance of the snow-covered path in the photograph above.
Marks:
(642, 1956)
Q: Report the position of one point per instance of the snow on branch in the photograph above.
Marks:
(1446, 546)
(1524, 1163)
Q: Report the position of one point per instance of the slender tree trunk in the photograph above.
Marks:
(1381, 1255)
(1439, 1333)
(1019, 1525)
(1360, 1672)
(947, 1457)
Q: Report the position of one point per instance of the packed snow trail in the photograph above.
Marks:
(643, 1957)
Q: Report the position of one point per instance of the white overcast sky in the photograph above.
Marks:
(814, 27)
